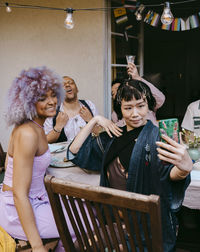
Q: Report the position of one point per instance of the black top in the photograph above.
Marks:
(122, 147)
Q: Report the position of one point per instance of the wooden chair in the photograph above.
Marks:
(103, 219)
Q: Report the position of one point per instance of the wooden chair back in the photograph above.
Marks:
(104, 219)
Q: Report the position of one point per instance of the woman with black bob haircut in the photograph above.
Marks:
(135, 88)
(131, 158)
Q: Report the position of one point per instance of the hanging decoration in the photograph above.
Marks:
(120, 15)
(194, 21)
(155, 19)
(166, 21)
(185, 24)
(178, 24)
(149, 17)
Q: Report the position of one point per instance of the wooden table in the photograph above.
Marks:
(74, 173)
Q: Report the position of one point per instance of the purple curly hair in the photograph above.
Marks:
(26, 90)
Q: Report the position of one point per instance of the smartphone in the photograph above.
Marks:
(169, 127)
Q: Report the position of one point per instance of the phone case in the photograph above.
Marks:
(169, 127)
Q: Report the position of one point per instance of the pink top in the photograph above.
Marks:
(40, 164)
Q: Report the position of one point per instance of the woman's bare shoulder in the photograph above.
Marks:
(25, 131)
(24, 137)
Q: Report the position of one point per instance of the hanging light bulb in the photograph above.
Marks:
(8, 9)
(69, 23)
(138, 16)
(167, 16)
(138, 13)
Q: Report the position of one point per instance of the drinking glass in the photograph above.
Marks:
(130, 58)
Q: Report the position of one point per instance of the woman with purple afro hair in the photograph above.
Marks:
(27, 89)
(24, 206)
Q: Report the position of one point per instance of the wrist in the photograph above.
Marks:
(95, 119)
(57, 130)
(87, 120)
(37, 246)
(178, 174)
(181, 173)
(139, 78)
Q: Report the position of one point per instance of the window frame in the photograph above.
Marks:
(108, 60)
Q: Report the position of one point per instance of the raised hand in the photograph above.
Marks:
(175, 154)
(61, 120)
(109, 126)
(132, 70)
(85, 114)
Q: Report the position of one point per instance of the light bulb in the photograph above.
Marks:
(8, 9)
(69, 23)
(167, 16)
(138, 13)
(138, 16)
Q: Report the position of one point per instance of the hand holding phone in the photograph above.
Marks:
(169, 127)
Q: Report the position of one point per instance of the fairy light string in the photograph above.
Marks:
(138, 13)
(16, 5)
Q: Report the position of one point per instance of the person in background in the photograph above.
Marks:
(115, 85)
(158, 95)
(191, 120)
(71, 116)
(24, 206)
(133, 159)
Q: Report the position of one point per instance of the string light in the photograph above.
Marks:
(138, 12)
(167, 16)
(16, 5)
(8, 9)
(69, 23)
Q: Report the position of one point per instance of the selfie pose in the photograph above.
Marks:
(133, 159)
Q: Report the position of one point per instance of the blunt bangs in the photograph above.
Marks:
(27, 89)
(129, 92)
